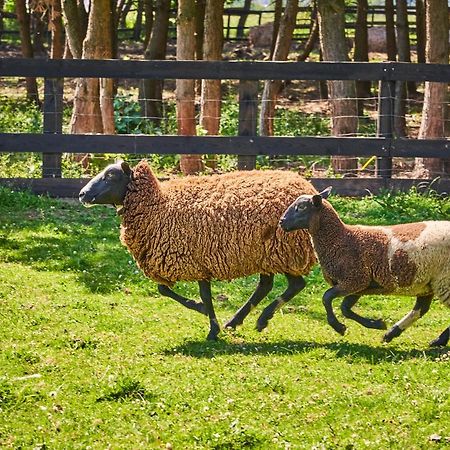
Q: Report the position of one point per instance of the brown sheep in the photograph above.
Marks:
(409, 259)
(204, 228)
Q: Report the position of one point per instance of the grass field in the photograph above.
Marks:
(92, 357)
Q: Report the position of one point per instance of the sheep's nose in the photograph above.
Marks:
(81, 195)
(282, 220)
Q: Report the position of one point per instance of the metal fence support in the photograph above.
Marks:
(53, 115)
(248, 118)
(385, 125)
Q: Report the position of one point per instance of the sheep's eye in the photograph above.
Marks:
(300, 207)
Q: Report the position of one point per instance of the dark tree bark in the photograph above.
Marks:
(436, 97)
(361, 51)
(272, 87)
(23, 16)
(276, 25)
(185, 92)
(124, 11)
(404, 55)
(93, 103)
(420, 30)
(148, 24)
(342, 93)
(150, 91)
(137, 29)
(56, 27)
(243, 19)
(391, 46)
(212, 51)
(200, 9)
(313, 36)
(76, 20)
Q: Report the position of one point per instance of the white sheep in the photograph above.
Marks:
(408, 259)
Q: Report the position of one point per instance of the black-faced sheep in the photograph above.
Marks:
(409, 259)
(204, 228)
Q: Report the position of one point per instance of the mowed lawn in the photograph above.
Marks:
(92, 357)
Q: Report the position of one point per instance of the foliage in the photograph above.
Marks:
(93, 357)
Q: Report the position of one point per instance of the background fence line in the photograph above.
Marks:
(52, 143)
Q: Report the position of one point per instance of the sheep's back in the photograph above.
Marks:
(223, 227)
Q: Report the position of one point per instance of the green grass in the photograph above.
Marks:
(92, 357)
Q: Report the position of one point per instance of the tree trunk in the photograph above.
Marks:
(313, 36)
(276, 26)
(361, 51)
(23, 17)
(391, 46)
(124, 13)
(137, 29)
(76, 26)
(420, 30)
(200, 10)
(212, 51)
(342, 93)
(148, 12)
(243, 19)
(150, 91)
(435, 101)
(93, 104)
(272, 87)
(56, 27)
(39, 26)
(185, 93)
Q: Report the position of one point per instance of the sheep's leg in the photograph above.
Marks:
(442, 340)
(346, 308)
(420, 308)
(264, 287)
(295, 285)
(205, 294)
(327, 300)
(191, 304)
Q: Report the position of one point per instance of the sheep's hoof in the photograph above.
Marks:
(261, 324)
(212, 336)
(339, 327)
(231, 324)
(395, 331)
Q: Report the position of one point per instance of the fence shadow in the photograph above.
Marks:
(351, 352)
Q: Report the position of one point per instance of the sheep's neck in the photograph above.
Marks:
(327, 231)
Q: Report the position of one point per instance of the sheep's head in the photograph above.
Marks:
(109, 187)
(299, 214)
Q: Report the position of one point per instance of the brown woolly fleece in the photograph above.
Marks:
(409, 259)
(217, 227)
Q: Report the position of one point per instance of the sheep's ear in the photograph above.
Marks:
(326, 192)
(316, 200)
(126, 168)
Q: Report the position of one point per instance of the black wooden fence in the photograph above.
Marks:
(52, 142)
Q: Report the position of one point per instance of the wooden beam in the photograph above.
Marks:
(249, 70)
(351, 187)
(239, 145)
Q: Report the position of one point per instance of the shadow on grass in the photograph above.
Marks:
(349, 351)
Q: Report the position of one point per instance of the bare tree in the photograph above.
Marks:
(342, 93)
(272, 87)
(56, 27)
(93, 103)
(420, 30)
(185, 92)
(361, 50)
(390, 31)
(276, 25)
(243, 19)
(150, 91)
(435, 101)
(212, 51)
(23, 16)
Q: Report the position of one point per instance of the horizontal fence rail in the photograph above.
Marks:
(224, 70)
(225, 145)
(52, 143)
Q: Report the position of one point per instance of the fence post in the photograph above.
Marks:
(53, 113)
(385, 124)
(248, 118)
